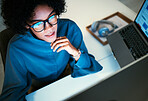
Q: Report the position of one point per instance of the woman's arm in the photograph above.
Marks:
(17, 80)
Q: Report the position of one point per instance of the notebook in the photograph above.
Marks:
(131, 42)
(128, 84)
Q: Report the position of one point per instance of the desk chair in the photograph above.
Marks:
(5, 36)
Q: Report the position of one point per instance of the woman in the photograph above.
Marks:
(43, 46)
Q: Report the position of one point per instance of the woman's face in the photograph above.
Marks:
(43, 12)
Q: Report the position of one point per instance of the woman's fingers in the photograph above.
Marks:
(62, 43)
(56, 46)
(58, 41)
(64, 47)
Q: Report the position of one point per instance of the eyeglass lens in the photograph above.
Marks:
(39, 26)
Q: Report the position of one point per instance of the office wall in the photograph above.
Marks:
(133, 4)
(2, 27)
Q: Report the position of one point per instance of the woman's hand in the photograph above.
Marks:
(62, 43)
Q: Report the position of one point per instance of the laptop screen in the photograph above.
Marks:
(142, 18)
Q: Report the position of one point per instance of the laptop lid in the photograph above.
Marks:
(142, 20)
(128, 84)
(124, 53)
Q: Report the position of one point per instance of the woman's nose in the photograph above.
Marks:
(47, 25)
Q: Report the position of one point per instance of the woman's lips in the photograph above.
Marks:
(51, 35)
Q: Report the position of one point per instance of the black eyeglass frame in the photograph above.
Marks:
(44, 21)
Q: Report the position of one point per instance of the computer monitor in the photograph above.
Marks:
(128, 84)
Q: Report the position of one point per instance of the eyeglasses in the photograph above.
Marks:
(41, 24)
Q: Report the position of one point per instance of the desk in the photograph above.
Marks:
(84, 13)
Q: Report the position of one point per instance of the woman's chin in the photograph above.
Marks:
(50, 40)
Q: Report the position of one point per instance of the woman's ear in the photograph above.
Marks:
(27, 27)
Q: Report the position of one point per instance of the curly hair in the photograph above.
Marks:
(17, 12)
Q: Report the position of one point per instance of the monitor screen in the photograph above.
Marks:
(142, 18)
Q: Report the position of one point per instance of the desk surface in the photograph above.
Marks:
(84, 13)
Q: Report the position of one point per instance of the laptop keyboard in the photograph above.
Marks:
(134, 42)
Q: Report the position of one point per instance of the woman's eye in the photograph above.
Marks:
(51, 17)
(38, 24)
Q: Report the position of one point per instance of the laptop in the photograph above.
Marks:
(130, 83)
(131, 42)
